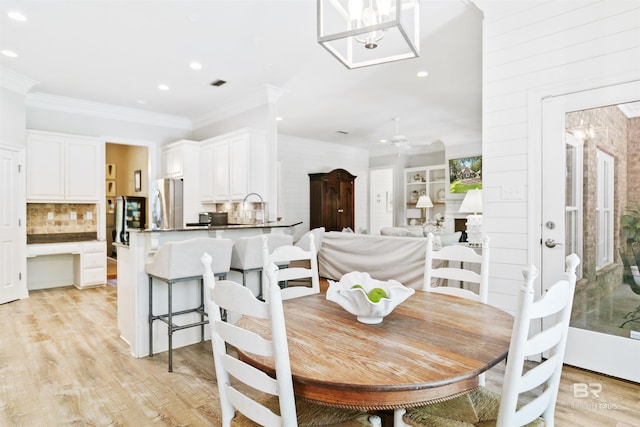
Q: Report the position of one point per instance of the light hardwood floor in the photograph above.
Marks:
(62, 363)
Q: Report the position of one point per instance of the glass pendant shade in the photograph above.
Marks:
(360, 33)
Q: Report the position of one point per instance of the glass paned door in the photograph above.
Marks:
(587, 141)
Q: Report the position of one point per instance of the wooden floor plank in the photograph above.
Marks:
(62, 363)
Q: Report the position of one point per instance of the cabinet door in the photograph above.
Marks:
(206, 173)
(81, 171)
(45, 168)
(239, 167)
(331, 205)
(345, 209)
(221, 171)
(165, 163)
(171, 162)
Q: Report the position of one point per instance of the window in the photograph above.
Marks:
(573, 202)
(604, 209)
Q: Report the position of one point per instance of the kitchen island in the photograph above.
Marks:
(133, 282)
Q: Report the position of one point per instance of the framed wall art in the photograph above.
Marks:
(465, 174)
(137, 181)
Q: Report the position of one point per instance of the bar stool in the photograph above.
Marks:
(176, 262)
(246, 256)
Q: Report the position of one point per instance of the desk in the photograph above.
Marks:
(430, 347)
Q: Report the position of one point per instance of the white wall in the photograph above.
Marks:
(299, 157)
(531, 47)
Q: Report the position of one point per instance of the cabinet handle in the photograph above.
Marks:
(340, 210)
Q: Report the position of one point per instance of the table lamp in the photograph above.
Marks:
(473, 203)
(424, 202)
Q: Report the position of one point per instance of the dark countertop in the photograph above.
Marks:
(273, 224)
(61, 237)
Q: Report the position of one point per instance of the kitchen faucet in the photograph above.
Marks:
(261, 207)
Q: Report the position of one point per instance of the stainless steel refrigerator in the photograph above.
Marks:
(130, 213)
(167, 204)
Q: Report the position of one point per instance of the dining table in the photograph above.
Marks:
(430, 348)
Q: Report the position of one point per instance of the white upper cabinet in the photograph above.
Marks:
(233, 165)
(64, 167)
(206, 172)
(173, 156)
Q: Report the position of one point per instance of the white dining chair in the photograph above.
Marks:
(276, 404)
(246, 256)
(317, 233)
(298, 269)
(484, 405)
(438, 265)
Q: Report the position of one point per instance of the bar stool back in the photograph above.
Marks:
(246, 256)
(179, 261)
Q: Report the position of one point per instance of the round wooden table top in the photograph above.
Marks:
(431, 347)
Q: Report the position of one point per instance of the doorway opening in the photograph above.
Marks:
(126, 174)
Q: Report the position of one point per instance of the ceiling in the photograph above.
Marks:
(118, 52)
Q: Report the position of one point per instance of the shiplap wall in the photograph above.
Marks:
(299, 157)
(528, 47)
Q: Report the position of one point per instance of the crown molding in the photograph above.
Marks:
(15, 82)
(107, 111)
(252, 99)
(630, 110)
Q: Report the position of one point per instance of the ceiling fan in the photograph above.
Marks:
(399, 140)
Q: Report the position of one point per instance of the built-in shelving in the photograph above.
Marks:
(421, 181)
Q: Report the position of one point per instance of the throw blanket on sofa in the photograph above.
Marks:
(383, 257)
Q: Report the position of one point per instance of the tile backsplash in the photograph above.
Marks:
(48, 218)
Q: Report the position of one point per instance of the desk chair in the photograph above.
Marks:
(284, 256)
(277, 405)
(247, 254)
(483, 405)
(174, 263)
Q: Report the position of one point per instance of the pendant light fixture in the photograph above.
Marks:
(360, 33)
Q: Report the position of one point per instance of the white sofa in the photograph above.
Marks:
(383, 257)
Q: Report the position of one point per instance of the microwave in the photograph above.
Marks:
(213, 218)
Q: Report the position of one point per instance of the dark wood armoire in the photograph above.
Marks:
(332, 195)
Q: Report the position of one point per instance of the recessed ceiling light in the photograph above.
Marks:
(421, 74)
(163, 87)
(383, 141)
(16, 16)
(10, 53)
(279, 119)
(195, 65)
(141, 101)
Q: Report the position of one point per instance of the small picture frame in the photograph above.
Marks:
(110, 171)
(111, 188)
(137, 181)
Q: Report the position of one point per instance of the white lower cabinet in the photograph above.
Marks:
(50, 265)
(92, 268)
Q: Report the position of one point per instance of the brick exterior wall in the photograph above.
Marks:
(618, 136)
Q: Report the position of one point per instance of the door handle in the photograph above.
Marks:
(550, 243)
(340, 210)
